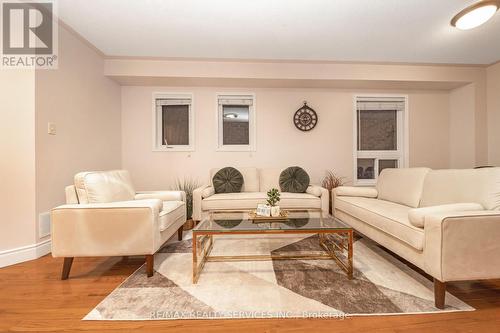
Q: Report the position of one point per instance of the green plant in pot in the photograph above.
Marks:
(188, 186)
(273, 197)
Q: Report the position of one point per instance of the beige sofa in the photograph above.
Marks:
(256, 183)
(105, 216)
(446, 222)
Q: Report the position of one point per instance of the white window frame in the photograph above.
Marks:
(252, 121)
(157, 123)
(402, 152)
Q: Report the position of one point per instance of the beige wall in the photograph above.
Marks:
(85, 106)
(468, 132)
(279, 143)
(17, 162)
(462, 127)
(493, 101)
(429, 129)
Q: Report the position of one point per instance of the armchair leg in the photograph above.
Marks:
(179, 232)
(150, 260)
(68, 261)
(439, 293)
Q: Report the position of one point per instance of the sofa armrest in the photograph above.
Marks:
(356, 191)
(162, 195)
(198, 195)
(462, 245)
(417, 215)
(106, 229)
(323, 194)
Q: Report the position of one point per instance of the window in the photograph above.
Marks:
(173, 126)
(380, 137)
(236, 122)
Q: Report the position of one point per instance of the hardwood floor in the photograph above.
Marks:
(34, 299)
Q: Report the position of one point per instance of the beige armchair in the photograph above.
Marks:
(104, 216)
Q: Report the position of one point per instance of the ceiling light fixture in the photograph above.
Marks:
(231, 115)
(475, 15)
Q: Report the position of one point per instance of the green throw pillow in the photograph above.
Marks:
(227, 180)
(294, 179)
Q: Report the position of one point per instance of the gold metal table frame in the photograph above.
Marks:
(337, 244)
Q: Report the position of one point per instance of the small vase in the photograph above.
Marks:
(275, 211)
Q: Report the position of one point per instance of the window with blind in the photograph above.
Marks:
(236, 122)
(379, 134)
(173, 123)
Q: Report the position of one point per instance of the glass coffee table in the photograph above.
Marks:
(335, 238)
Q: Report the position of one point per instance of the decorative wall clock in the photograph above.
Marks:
(305, 118)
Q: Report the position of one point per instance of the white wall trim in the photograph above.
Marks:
(25, 253)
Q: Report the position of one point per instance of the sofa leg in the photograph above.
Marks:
(150, 260)
(179, 232)
(439, 293)
(68, 261)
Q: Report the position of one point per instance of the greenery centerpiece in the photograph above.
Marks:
(273, 197)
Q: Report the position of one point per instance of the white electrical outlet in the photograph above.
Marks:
(51, 128)
(44, 224)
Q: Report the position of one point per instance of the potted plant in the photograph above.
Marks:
(273, 197)
(331, 181)
(188, 186)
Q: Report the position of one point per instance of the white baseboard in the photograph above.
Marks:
(24, 253)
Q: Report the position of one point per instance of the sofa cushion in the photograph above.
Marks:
(466, 185)
(403, 186)
(356, 191)
(314, 190)
(294, 180)
(250, 200)
(417, 215)
(250, 178)
(104, 186)
(389, 217)
(227, 180)
(268, 179)
(171, 212)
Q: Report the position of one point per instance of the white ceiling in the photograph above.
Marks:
(337, 30)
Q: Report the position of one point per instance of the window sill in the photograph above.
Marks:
(173, 149)
(236, 149)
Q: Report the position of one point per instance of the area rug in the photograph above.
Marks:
(382, 285)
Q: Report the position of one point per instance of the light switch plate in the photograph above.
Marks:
(51, 128)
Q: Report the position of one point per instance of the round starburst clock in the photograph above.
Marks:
(305, 118)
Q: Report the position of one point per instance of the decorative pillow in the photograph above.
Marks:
(228, 180)
(294, 179)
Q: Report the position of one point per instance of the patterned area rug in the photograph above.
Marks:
(268, 289)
